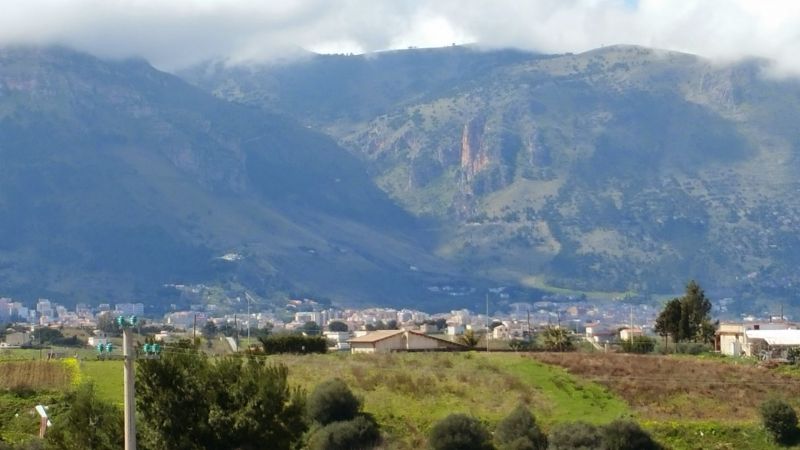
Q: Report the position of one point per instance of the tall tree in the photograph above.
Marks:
(557, 339)
(695, 310)
(668, 321)
(687, 318)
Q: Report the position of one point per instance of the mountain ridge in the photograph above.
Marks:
(120, 179)
(622, 168)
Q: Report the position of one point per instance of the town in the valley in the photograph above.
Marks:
(602, 326)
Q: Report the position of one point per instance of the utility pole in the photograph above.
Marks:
(530, 338)
(630, 334)
(128, 380)
(247, 296)
(487, 323)
(194, 328)
(236, 330)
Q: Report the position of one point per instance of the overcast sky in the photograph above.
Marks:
(175, 33)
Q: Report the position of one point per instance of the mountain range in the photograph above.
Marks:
(419, 177)
(120, 182)
(623, 169)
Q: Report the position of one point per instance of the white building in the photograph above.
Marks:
(737, 339)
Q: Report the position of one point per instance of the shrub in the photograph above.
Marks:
(332, 401)
(460, 432)
(793, 355)
(576, 436)
(627, 435)
(522, 443)
(779, 419)
(337, 326)
(360, 433)
(186, 401)
(639, 344)
(693, 348)
(519, 430)
(87, 422)
(556, 339)
(293, 343)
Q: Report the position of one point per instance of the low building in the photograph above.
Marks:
(626, 334)
(771, 344)
(18, 339)
(455, 330)
(338, 340)
(385, 341)
(735, 339)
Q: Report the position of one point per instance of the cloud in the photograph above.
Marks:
(175, 33)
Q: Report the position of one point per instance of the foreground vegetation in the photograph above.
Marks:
(683, 402)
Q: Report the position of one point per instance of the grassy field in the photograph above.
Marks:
(107, 378)
(408, 392)
(682, 388)
(36, 376)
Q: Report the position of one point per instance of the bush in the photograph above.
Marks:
(780, 420)
(460, 432)
(337, 326)
(87, 422)
(185, 401)
(293, 343)
(639, 344)
(520, 431)
(332, 401)
(360, 433)
(627, 435)
(694, 348)
(576, 436)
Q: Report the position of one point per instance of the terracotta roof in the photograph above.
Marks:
(375, 336)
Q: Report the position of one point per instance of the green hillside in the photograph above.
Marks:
(120, 180)
(620, 169)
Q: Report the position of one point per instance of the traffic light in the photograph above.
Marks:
(100, 348)
(109, 347)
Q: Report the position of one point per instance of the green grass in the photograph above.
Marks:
(570, 397)
(107, 378)
(712, 435)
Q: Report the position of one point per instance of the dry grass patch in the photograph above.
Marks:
(680, 388)
(34, 375)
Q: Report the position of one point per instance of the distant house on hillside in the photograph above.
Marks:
(385, 341)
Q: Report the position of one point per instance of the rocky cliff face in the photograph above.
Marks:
(474, 150)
